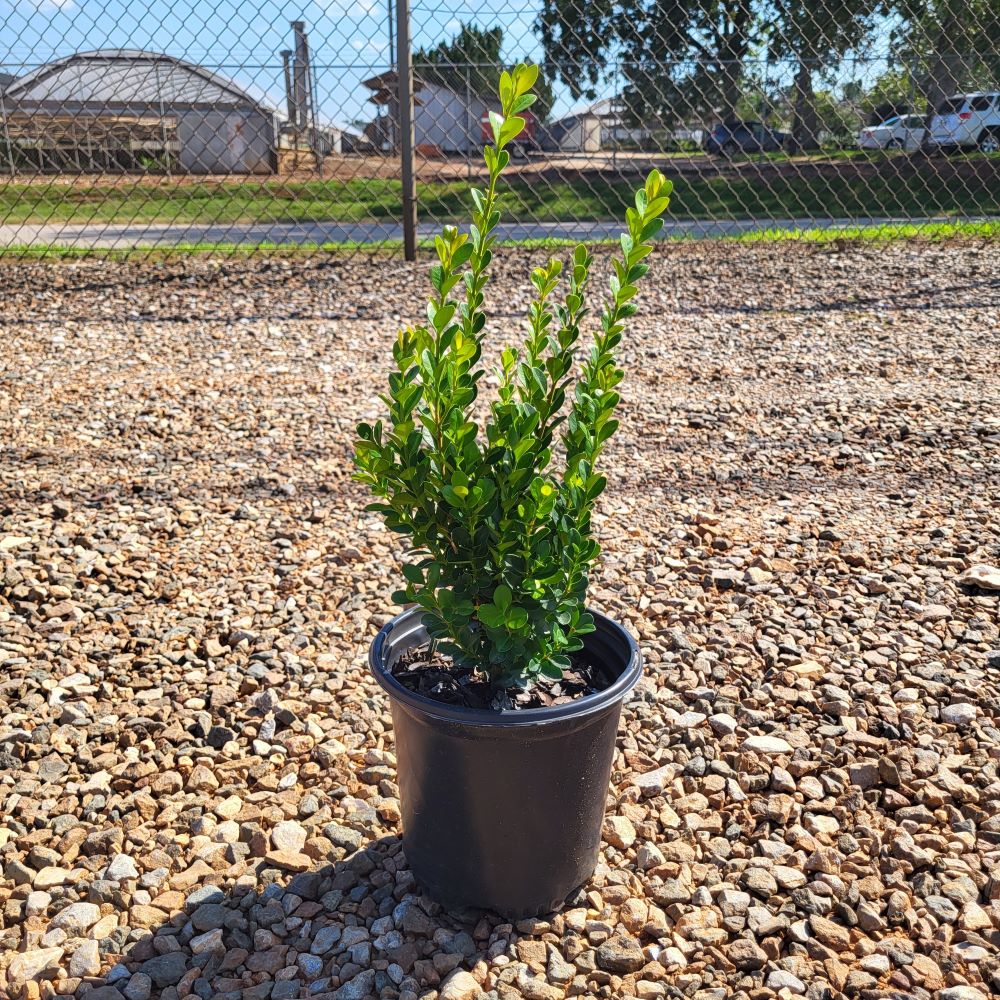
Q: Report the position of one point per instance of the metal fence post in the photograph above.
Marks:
(469, 127)
(616, 104)
(392, 38)
(8, 144)
(406, 141)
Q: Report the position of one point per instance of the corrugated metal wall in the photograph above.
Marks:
(226, 141)
(443, 119)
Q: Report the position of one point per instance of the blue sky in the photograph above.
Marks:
(242, 39)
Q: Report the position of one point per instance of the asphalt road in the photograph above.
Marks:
(146, 235)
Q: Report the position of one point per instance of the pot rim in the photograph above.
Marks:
(410, 622)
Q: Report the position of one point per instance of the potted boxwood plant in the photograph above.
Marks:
(505, 689)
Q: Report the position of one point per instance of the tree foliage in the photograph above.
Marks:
(837, 119)
(950, 45)
(677, 57)
(893, 92)
(820, 31)
(502, 539)
(814, 34)
(472, 59)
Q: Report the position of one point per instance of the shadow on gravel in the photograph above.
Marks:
(312, 937)
(920, 300)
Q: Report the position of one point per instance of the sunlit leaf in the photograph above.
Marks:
(498, 540)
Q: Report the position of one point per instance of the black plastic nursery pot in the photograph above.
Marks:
(503, 810)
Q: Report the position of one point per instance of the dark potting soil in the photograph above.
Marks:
(439, 679)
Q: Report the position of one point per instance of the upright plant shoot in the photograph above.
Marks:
(497, 514)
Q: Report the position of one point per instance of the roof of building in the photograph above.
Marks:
(385, 90)
(127, 76)
(389, 80)
(385, 86)
(606, 107)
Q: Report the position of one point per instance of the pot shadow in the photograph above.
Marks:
(310, 937)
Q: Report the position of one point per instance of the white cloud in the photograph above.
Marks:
(355, 9)
(369, 47)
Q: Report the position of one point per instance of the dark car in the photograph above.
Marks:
(729, 138)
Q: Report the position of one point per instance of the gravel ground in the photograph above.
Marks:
(197, 792)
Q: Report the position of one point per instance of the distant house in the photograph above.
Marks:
(693, 134)
(601, 125)
(575, 133)
(443, 120)
(332, 138)
(615, 129)
(352, 139)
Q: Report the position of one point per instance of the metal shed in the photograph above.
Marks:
(442, 119)
(123, 107)
(575, 133)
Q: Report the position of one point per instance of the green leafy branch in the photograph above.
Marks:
(503, 546)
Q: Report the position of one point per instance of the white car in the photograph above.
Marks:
(967, 121)
(898, 132)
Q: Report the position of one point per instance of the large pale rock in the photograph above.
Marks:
(85, 961)
(52, 876)
(460, 985)
(959, 714)
(654, 782)
(289, 836)
(766, 744)
(122, 867)
(981, 575)
(77, 918)
(28, 965)
(619, 832)
(962, 993)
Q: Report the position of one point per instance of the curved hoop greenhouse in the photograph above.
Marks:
(130, 109)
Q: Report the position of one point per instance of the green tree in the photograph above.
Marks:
(472, 60)
(761, 96)
(838, 119)
(815, 34)
(949, 45)
(676, 57)
(894, 92)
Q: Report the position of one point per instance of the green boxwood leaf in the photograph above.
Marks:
(516, 618)
(550, 669)
(500, 544)
(490, 616)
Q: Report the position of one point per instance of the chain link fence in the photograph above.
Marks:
(167, 123)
